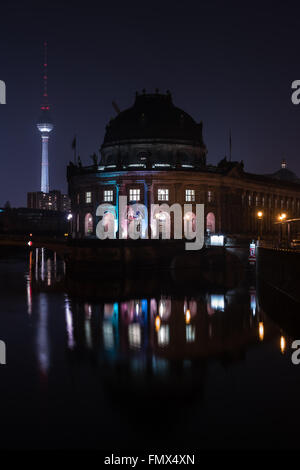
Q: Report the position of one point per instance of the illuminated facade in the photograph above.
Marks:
(154, 153)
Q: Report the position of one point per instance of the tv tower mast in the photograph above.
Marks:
(45, 126)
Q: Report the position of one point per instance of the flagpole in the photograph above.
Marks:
(230, 145)
(74, 147)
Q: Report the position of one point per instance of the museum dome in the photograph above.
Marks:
(284, 174)
(153, 116)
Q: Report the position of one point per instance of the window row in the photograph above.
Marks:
(135, 195)
(269, 201)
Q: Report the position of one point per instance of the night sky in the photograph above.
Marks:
(227, 64)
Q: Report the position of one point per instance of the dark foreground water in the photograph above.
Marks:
(204, 371)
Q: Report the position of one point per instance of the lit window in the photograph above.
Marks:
(190, 195)
(134, 194)
(108, 195)
(88, 197)
(209, 196)
(249, 199)
(163, 194)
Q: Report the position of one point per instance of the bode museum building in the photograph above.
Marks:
(154, 153)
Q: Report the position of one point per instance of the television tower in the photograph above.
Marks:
(45, 126)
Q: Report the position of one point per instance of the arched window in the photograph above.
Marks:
(134, 221)
(88, 224)
(163, 225)
(189, 224)
(211, 222)
(110, 224)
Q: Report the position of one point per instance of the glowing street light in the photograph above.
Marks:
(282, 216)
(260, 215)
(261, 331)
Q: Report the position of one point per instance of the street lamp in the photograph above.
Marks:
(281, 218)
(260, 215)
(69, 219)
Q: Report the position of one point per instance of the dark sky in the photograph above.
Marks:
(227, 64)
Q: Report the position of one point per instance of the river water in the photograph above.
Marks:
(206, 370)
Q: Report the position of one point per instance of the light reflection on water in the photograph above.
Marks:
(152, 365)
(165, 328)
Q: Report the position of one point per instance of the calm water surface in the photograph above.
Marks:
(202, 371)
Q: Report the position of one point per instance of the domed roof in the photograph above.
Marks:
(153, 116)
(284, 174)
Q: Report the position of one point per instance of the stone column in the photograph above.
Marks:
(117, 186)
(180, 199)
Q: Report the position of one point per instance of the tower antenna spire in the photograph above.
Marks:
(45, 126)
(45, 105)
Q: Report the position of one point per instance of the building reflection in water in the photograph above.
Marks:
(253, 301)
(44, 270)
(148, 333)
(42, 339)
(166, 328)
(87, 325)
(28, 285)
(110, 327)
(69, 324)
(43, 275)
